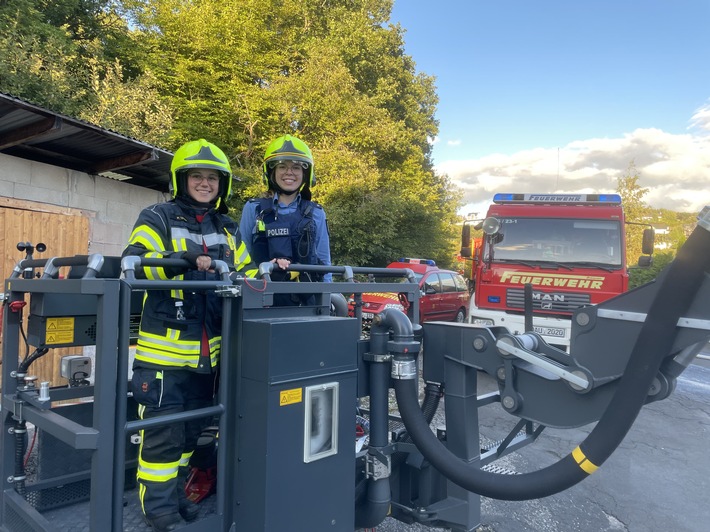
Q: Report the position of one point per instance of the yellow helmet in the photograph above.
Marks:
(288, 148)
(201, 154)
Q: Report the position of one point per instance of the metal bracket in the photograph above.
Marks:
(577, 381)
(17, 409)
(229, 291)
(374, 357)
(32, 397)
(377, 466)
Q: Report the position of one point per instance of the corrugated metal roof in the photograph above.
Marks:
(32, 132)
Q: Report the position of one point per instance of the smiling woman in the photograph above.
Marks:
(180, 336)
(203, 184)
(286, 224)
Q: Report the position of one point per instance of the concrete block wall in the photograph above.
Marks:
(112, 206)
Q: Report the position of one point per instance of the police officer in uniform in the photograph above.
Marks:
(178, 349)
(286, 224)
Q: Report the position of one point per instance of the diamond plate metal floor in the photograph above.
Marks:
(75, 517)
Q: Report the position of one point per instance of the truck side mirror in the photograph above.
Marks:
(466, 241)
(649, 236)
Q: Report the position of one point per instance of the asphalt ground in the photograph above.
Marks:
(658, 479)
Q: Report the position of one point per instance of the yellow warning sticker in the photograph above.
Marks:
(289, 397)
(60, 330)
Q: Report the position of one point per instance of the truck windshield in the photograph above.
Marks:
(563, 241)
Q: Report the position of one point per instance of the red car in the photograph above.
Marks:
(444, 294)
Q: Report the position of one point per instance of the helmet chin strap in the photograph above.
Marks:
(192, 201)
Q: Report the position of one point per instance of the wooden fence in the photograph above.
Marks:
(65, 232)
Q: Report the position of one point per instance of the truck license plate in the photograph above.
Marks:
(367, 315)
(556, 332)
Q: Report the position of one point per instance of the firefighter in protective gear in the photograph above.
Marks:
(286, 223)
(178, 348)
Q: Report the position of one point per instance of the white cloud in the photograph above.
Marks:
(701, 119)
(456, 142)
(675, 169)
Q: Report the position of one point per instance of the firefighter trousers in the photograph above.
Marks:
(165, 450)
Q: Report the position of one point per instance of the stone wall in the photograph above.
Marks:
(112, 206)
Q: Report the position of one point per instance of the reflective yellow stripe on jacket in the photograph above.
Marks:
(171, 351)
(148, 238)
(242, 258)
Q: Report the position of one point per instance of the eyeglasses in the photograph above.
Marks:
(198, 178)
(285, 166)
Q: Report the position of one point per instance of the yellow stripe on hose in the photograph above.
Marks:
(583, 462)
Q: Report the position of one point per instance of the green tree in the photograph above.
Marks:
(244, 72)
(637, 212)
(40, 61)
(114, 105)
(69, 56)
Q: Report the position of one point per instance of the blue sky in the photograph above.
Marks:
(564, 95)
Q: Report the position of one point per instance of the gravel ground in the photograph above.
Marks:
(656, 481)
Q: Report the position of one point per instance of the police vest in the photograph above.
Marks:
(291, 236)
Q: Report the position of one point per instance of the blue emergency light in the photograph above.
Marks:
(568, 199)
(428, 262)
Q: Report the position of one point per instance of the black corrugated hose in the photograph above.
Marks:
(677, 287)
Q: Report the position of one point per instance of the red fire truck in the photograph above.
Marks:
(566, 250)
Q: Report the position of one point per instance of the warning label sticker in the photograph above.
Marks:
(60, 331)
(289, 397)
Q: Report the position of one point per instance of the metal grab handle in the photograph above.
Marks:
(130, 263)
(346, 272)
(93, 263)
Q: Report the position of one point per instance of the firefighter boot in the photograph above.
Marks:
(187, 508)
(164, 523)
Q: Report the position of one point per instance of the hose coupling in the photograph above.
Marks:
(404, 369)
(405, 347)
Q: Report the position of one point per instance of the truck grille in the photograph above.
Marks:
(547, 301)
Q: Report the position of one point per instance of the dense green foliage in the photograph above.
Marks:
(637, 212)
(242, 72)
(639, 276)
(672, 229)
(77, 57)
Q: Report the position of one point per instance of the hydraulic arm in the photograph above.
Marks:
(624, 353)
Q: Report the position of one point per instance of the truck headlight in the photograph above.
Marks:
(482, 322)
